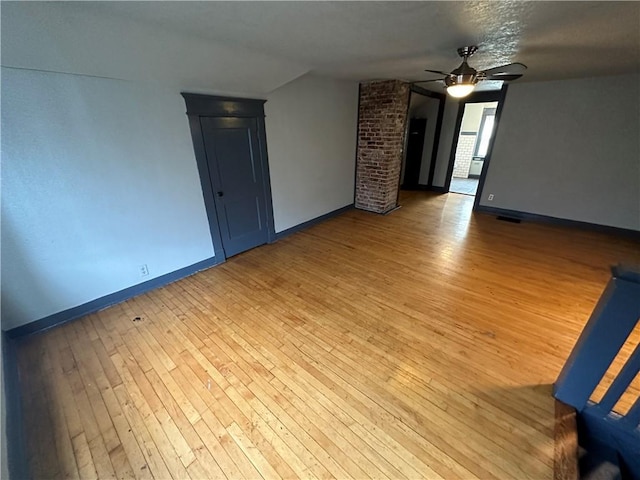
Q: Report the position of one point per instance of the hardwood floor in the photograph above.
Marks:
(421, 344)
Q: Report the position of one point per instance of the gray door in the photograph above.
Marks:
(237, 180)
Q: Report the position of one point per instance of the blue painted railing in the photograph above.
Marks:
(612, 321)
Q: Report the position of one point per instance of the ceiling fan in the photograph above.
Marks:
(461, 81)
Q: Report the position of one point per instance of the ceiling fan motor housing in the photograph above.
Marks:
(466, 52)
(464, 74)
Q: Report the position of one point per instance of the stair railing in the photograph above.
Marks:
(613, 320)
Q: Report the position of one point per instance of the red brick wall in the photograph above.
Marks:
(381, 132)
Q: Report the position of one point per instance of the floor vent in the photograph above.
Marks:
(509, 219)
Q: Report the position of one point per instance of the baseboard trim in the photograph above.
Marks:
(16, 450)
(313, 221)
(534, 217)
(101, 303)
(388, 212)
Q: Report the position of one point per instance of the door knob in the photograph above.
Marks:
(220, 194)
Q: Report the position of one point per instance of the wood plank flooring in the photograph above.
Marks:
(421, 344)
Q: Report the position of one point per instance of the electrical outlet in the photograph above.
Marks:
(144, 270)
(490, 198)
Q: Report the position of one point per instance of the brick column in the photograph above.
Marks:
(381, 132)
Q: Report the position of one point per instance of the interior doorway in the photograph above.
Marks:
(473, 139)
(476, 131)
(424, 123)
(230, 146)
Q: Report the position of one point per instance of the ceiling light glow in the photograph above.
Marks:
(460, 90)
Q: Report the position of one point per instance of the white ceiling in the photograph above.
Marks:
(375, 40)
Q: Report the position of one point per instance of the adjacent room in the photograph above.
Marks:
(476, 134)
(320, 239)
(424, 125)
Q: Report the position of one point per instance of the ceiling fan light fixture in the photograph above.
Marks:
(460, 90)
(460, 86)
(462, 81)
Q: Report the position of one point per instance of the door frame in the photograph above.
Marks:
(442, 98)
(476, 97)
(403, 170)
(199, 105)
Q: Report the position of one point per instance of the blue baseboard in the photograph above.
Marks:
(13, 423)
(313, 221)
(534, 217)
(108, 300)
(65, 316)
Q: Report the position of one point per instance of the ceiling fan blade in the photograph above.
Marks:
(438, 71)
(427, 81)
(510, 68)
(507, 77)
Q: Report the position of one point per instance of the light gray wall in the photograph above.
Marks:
(98, 177)
(311, 128)
(570, 149)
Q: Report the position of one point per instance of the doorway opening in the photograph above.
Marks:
(476, 125)
(424, 123)
(476, 132)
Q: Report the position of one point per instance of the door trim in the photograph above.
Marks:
(442, 98)
(487, 158)
(476, 97)
(214, 106)
(403, 182)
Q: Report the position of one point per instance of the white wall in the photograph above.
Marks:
(77, 37)
(473, 115)
(98, 177)
(570, 149)
(311, 128)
